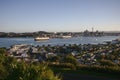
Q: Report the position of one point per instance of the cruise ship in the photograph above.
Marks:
(41, 38)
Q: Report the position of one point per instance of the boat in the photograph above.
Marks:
(66, 37)
(41, 38)
(116, 41)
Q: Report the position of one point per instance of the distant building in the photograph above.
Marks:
(87, 33)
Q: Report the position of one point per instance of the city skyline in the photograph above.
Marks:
(59, 15)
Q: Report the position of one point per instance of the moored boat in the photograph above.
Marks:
(65, 37)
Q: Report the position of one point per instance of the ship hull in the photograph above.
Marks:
(41, 38)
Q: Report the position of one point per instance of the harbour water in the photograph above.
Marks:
(7, 42)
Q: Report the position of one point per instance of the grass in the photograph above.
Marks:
(77, 73)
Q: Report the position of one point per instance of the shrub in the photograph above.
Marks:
(24, 71)
(107, 63)
(12, 70)
(70, 59)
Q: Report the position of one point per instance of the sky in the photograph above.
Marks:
(59, 15)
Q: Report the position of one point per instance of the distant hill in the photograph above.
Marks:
(51, 34)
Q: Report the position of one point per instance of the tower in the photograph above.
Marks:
(92, 29)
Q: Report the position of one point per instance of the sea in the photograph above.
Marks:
(8, 42)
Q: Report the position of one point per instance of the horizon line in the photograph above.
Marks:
(56, 31)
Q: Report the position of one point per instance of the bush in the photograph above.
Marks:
(31, 72)
(3, 72)
(63, 65)
(12, 70)
(97, 68)
(107, 63)
(2, 51)
(70, 59)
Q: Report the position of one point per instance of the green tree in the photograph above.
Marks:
(70, 59)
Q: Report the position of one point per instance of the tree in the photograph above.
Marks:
(70, 59)
(55, 59)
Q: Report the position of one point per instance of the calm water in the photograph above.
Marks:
(7, 42)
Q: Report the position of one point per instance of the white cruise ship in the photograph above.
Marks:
(41, 38)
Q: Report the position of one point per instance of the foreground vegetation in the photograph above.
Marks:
(12, 70)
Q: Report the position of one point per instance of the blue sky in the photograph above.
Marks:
(59, 15)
